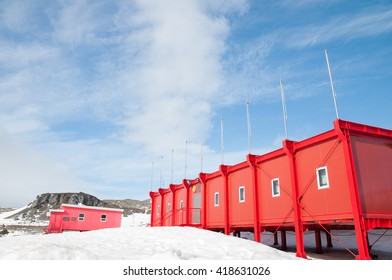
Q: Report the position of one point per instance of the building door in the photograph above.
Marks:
(196, 208)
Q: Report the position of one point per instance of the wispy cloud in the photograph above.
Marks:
(345, 28)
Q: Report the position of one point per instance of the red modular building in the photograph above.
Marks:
(82, 218)
(337, 180)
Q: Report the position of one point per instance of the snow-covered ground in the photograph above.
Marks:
(136, 241)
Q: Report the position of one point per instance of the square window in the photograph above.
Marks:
(81, 216)
(216, 199)
(322, 177)
(103, 218)
(168, 207)
(275, 187)
(241, 194)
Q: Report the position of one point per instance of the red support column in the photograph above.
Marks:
(283, 239)
(319, 246)
(288, 147)
(251, 159)
(173, 208)
(276, 238)
(359, 225)
(187, 209)
(161, 210)
(329, 240)
(152, 210)
(223, 171)
(202, 177)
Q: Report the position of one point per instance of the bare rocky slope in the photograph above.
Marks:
(37, 210)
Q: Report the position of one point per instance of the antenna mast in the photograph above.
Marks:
(222, 146)
(152, 175)
(249, 128)
(186, 151)
(160, 177)
(172, 163)
(284, 108)
(333, 89)
(201, 158)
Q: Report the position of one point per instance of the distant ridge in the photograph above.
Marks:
(37, 210)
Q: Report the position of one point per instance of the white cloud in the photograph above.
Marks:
(151, 70)
(26, 173)
(178, 73)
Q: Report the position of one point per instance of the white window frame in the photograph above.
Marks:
(319, 186)
(81, 217)
(239, 194)
(216, 199)
(168, 207)
(181, 204)
(272, 187)
(104, 218)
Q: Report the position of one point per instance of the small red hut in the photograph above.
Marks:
(83, 218)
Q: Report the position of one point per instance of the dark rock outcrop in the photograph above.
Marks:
(38, 209)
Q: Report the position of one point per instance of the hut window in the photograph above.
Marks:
(158, 210)
(181, 204)
(168, 207)
(81, 216)
(216, 199)
(322, 177)
(66, 219)
(241, 193)
(73, 219)
(275, 187)
(103, 218)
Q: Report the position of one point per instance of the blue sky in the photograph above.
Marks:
(93, 92)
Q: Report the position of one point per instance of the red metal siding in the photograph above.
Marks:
(329, 203)
(275, 210)
(93, 219)
(241, 213)
(167, 201)
(373, 164)
(215, 214)
(156, 205)
(180, 214)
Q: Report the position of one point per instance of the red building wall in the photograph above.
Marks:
(84, 218)
(373, 161)
(156, 204)
(240, 213)
(180, 198)
(167, 207)
(328, 203)
(215, 214)
(274, 209)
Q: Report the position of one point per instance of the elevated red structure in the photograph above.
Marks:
(340, 179)
(82, 218)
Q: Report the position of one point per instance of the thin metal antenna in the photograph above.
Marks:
(201, 158)
(152, 175)
(160, 177)
(186, 151)
(333, 89)
(222, 143)
(172, 163)
(284, 108)
(249, 128)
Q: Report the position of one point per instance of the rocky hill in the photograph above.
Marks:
(37, 210)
